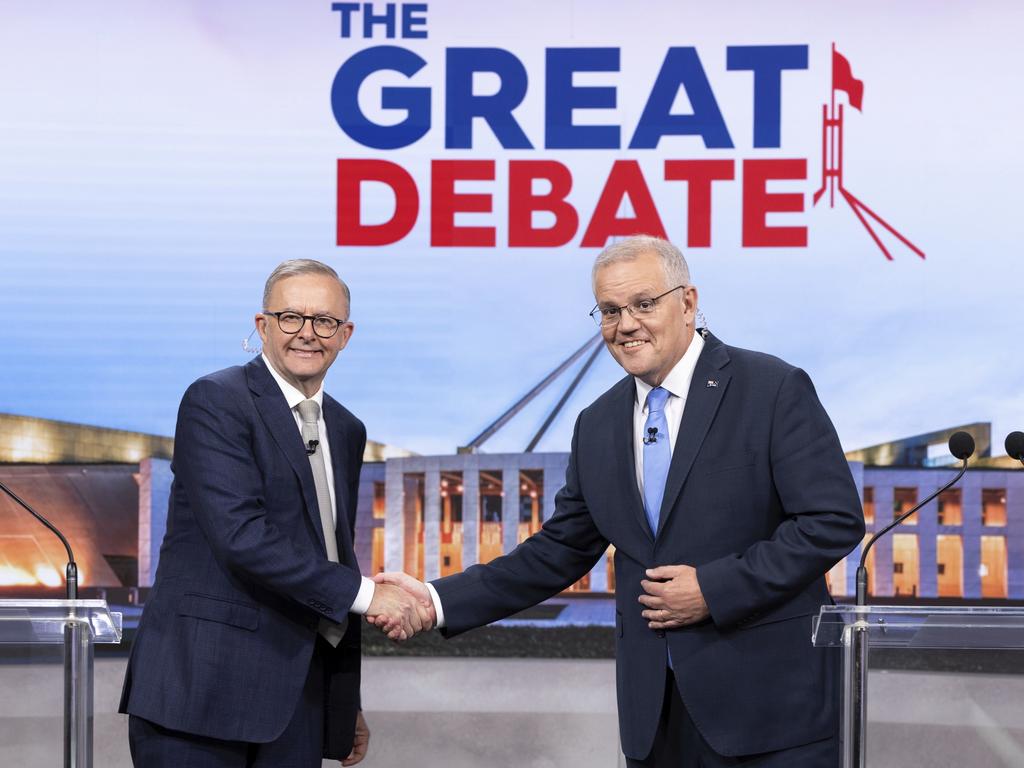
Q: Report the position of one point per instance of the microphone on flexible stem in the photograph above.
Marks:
(311, 447)
(1015, 446)
(652, 436)
(72, 569)
(961, 445)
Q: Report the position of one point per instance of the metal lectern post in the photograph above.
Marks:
(855, 716)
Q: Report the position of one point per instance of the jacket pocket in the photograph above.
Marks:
(219, 609)
(727, 461)
(803, 605)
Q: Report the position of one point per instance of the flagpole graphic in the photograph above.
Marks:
(832, 153)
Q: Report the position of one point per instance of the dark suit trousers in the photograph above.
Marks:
(300, 745)
(678, 744)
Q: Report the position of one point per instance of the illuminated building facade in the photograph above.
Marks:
(106, 489)
(435, 515)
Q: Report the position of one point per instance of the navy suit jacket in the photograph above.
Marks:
(226, 638)
(759, 499)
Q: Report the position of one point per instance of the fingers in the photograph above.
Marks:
(665, 571)
(403, 580)
(658, 615)
(403, 618)
(396, 578)
(427, 616)
(360, 743)
(653, 589)
(670, 624)
(413, 617)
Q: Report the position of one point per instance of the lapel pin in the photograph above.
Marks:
(712, 383)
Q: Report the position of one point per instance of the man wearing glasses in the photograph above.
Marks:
(718, 476)
(247, 654)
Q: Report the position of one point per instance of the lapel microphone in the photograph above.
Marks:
(652, 436)
(311, 447)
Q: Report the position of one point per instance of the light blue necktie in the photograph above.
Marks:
(657, 455)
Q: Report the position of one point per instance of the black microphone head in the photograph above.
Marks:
(1015, 445)
(961, 445)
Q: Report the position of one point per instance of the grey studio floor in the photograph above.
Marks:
(543, 713)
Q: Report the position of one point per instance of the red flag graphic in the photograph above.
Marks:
(843, 79)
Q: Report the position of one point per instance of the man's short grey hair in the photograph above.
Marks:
(672, 261)
(294, 267)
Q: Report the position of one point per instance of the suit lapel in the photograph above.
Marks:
(276, 414)
(702, 403)
(625, 452)
(340, 458)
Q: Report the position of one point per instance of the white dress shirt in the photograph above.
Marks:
(678, 385)
(293, 397)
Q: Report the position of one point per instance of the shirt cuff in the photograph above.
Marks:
(363, 597)
(438, 610)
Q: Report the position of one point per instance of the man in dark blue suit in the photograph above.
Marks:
(718, 476)
(247, 652)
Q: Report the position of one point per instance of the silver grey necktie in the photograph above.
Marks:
(309, 410)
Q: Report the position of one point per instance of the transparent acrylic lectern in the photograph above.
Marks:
(37, 629)
(857, 629)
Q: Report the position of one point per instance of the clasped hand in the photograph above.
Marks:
(672, 597)
(401, 606)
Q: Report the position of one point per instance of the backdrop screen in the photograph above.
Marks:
(462, 163)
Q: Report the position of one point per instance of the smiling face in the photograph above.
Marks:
(303, 358)
(649, 346)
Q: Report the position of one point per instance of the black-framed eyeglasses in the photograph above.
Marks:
(324, 326)
(638, 308)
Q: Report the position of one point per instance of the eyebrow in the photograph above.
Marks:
(648, 294)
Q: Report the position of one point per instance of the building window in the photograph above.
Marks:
(531, 502)
(377, 554)
(611, 568)
(993, 506)
(379, 501)
(583, 585)
(903, 500)
(993, 566)
(451, 522)
(869, 564)
(949, 556)
(835, 579)
(491, 497)
(413, 486)
(869, 504)
(950, 507)
(905, 564)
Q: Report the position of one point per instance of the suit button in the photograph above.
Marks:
(659, 632)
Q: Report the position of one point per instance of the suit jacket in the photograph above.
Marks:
(226, 638)
(759, 498)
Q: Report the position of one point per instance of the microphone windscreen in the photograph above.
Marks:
(1015, 445)
(961, 445)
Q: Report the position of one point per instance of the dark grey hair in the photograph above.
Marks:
(672, 261)
(294, 267)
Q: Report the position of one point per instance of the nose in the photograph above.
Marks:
(628, 323)
(306, 331)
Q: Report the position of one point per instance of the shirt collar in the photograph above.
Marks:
(291, 394)
(678, 380)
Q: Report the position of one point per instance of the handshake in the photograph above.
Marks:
(401, 606)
